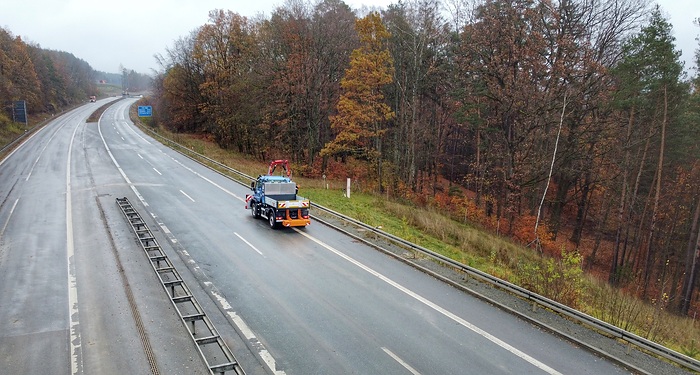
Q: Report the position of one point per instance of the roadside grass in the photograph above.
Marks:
(9, 131)
(561, 279)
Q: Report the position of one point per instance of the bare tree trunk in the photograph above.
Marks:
(479, 177)
(691, 260)
(582, 210)
(551, 169)
(613, 277)
(637, 240)
(590, 261)
(657, 194)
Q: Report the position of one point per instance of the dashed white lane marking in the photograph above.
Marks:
(157, 171)
(248, 243)
(9, 216)
(208, 180)
(247, 333)
(435, 307)
(76, 363)
(185, 194)
(401, 361)
(31, 170)
(264, 354)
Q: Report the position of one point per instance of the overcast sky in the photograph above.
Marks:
(131, 32)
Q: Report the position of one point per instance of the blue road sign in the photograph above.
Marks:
(19, 111)
(145, 111)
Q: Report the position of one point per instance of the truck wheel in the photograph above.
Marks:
(254, 210)
(271, 218)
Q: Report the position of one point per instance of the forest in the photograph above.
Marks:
(46, 80)
(49, 81)
(565, 125)
(562, 124)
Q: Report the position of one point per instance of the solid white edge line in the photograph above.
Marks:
(437, 308)
(401, 361)
(248, 243)
(73, 316)
(137, 134)
(111, 156)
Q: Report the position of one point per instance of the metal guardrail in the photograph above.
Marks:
(198, 324)
(578, 316)
(31, 130)
(597, 324)
(13, 142)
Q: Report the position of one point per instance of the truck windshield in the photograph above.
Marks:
(279, 188)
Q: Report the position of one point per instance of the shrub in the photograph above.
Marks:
(558, 279)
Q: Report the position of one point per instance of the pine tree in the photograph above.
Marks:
(650, 86)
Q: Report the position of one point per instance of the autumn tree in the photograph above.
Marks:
(363, 114)
(290, 69)
(47, 80)
(308, 49)
(223, 49)
(411, 99)
(334, 39)
(18, 79)
(177, 88)
(503, 70)
(76, 73)
(420, 45)
(54, 93)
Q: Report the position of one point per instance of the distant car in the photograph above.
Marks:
(93, 98)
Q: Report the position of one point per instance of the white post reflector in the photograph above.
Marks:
(348, 188)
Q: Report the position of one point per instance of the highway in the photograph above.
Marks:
(78, 295)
